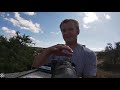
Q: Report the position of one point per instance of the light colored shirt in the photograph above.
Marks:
(84, 59)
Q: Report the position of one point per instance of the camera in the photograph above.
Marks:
(63, 69)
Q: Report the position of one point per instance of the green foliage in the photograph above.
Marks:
(111, 56)
(16, 53)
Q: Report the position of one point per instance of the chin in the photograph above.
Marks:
(68, 41)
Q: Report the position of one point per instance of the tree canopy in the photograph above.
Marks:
(16, 53)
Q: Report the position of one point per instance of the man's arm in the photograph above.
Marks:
(41, 58)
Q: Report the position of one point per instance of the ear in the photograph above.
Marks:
(78, 31)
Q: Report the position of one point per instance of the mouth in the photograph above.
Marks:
(68, 37)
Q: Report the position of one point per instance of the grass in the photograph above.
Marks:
(107, 74)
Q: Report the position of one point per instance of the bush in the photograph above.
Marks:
(16, 53)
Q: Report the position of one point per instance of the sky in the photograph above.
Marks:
(96, 28)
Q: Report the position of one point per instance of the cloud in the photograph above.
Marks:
(39, 43)
(9, 31)
(90, 17)
(32, 38)
(85, 26)
(8, 14)
(29, 13)
(107, 16)
(97, 49)
(2, 14)
(35, 40)
(24, 24)
(55, 33)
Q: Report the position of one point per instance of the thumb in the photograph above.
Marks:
(55, 49)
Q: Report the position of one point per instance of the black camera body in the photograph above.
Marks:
(63, 69)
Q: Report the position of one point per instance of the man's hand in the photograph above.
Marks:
(61, 50)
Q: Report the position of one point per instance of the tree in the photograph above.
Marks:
(16, 53)
(112, 54)
(117, 53)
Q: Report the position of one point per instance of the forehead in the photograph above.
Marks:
(68, 24)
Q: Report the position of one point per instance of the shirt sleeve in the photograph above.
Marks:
(90, 67)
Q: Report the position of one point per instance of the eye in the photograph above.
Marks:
(63, 30)
(71, 29)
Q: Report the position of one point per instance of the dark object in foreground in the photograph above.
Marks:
(63, 69)
(56, 69)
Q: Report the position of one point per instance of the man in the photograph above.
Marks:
(83, 58)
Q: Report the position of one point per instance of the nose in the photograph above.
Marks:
(65, 32)
(65, 35)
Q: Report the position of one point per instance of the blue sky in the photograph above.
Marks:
(96, 28)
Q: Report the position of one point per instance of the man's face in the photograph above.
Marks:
(69, 32)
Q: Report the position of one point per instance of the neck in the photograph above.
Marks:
(72, 45)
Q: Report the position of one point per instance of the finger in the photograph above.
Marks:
(65, 47)
(69, 49)
(55, 49)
